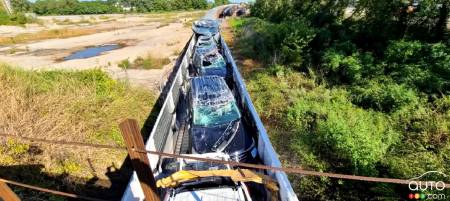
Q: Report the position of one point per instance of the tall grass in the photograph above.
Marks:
(16, 19)
(147, 62)
(82, 106)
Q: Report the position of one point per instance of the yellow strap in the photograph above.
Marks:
(241, 175)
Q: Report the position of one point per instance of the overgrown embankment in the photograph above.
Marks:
(344, 95)
(79, 106)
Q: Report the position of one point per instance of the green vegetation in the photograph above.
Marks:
(147, 62)
(124, 64)
(81, 106)
(72, 7)
(364, 93)
(75, 7)
(14, 19)
(164, 5)
(90, 97)
(221, 2)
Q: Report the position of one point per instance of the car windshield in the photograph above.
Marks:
(214, 61)
(205, 115)
(206, 27)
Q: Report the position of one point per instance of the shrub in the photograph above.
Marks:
(343, 135)
(124, 64)
(15, 148)
(282, 43)
(150, 62)
(383, 96)
(15, 19)
(274, 89)
(425, 144)
(426, 66)
(339, 67)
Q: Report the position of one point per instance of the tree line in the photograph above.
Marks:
(75, 7)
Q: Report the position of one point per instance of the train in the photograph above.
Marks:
(207, 112)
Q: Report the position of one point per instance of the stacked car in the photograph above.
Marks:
(207, 59)
(216, 124)
(215, 128)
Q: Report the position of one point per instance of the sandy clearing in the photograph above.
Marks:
(161, 37)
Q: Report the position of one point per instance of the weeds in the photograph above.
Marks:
(151, 62)
(172, 43)
(83, 106)
(63, 22)
(124, 64)
(15, 19)
(176, 52)
(147, 62)
(103, 17)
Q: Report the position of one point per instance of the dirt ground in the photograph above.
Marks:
(162, 35)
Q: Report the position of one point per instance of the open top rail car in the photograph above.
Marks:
(175, 131)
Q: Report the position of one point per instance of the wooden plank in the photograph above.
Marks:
(7, 194)
(133, 140)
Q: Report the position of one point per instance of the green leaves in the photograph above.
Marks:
(426, 66)
(345, 136)
(66, 7)
(383, 96)
(341, 67)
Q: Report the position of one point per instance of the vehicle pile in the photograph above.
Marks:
(216, 129)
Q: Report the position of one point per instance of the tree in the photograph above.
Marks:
(21, 5)
(221, 2)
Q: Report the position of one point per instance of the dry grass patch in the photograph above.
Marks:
(148, 62)
(47, 34)
(176, 17)
(81, 106)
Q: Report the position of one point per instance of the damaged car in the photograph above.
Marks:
(216, 124)
(207, 27)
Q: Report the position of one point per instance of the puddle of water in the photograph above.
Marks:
(92, 51)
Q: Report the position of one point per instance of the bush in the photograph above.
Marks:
(425, 144)
(341, 134)
(15, 19)
(339, 67)
(426, 66)
(150, 62)
(124, 64)
(282, 43)
(270, 89)
(383, 96)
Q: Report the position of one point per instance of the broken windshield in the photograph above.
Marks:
(206, 27)
(213, 115)
(214, 60)
(212, 101)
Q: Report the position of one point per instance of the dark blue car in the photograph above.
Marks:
(216, 124)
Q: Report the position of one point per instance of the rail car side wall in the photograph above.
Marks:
(265, 149)
(163, 124)
(166, 119)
